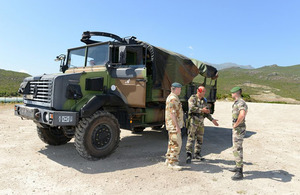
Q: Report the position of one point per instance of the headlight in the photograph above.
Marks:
(46, 116)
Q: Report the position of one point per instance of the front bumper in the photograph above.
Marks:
(46, 116)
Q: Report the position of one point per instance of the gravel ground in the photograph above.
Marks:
(271, 155)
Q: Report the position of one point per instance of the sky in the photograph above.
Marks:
(246, 32)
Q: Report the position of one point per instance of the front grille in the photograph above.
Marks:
(40, 90)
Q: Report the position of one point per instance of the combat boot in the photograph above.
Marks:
(238, 174)
(188, 158)
(198, 156)
(166, 162)
(235, 169)
(174, 166)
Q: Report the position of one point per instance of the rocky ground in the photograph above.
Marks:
(271, 154)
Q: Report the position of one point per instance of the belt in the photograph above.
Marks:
(234, 120)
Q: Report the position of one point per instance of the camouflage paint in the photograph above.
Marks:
(154, 115)
(136, 92)
(76, 105)
(133, 90)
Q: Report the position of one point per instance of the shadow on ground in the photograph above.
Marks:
(277, 175)
(216, 140)
(134, 151)
(141, 150)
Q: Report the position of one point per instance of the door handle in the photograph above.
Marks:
(141, 80)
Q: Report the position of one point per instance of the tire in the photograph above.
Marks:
(52, 135)
(97, 136)
(137, 130)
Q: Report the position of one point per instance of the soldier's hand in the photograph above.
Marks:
(205, 110)
(215, 122)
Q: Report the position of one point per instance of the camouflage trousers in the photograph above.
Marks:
(195, 133)
(174, 147)
(237, 145)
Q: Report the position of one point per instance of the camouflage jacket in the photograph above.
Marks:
(173, 105)
(237, 106)
(195, 106)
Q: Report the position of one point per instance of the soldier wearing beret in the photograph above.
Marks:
(239, 111)
(174, 123)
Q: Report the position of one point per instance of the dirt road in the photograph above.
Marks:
(271, 154)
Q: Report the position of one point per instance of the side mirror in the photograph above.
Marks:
(122, 54)
(61, 58)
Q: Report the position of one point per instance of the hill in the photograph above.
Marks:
(10, 82)
(269, 83)
(229, 65)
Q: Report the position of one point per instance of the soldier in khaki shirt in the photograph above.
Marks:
(174, 123)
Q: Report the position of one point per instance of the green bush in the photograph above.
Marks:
(247, 97)
(223, 96)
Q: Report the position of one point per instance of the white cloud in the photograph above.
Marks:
(24, 71)
(190, 47)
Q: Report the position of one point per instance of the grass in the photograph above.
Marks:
(10, 82)
(282, 81)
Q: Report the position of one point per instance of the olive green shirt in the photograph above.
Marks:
(195, 106)
(237, 106)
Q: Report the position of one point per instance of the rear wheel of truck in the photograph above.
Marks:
(52, 135)
(97, 136)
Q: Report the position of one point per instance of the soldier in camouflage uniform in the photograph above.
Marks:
(174, 123)
(198, 110)
(239, 111)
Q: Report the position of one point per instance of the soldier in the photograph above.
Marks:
(198, 110)
(174, 123)
(239, 111)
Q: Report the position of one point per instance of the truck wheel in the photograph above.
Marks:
(52, 136)
(97, 136)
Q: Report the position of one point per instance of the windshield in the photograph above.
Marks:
(96, 55)
(76, 58)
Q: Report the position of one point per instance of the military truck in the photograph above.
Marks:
(105, 86)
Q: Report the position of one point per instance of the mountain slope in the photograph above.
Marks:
(267, 81)
(10, 82)
(229, 65)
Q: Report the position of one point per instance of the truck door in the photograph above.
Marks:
(131, 75)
